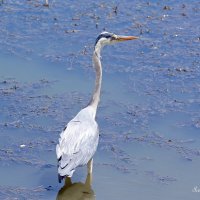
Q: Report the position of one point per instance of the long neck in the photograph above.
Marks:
(98, 69)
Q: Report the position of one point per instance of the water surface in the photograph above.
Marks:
(149, 112)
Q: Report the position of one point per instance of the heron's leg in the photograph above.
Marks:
(68, 182)
(67, 185)
(89, 174)
(90, 166)
(88, 181)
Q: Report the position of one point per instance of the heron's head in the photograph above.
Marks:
(106, 38)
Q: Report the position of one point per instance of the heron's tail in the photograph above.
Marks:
(60, 178)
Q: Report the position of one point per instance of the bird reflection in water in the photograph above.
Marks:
(76, 191)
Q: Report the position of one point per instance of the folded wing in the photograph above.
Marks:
(77, 143)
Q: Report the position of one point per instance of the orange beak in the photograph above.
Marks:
(125, 38)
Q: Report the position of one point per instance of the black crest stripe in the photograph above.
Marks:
(104, 35)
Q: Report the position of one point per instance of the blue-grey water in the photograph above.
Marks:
(149, 114)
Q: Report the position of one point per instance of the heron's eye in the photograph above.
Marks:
(113, 37)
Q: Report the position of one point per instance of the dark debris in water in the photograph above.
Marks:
(159, 178)
(161, 77)
(178, 146)
(32, 129)
(26, 151)
(42, 105)
(9, 193)
(156, 22)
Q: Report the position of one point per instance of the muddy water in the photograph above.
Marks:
(149, 112)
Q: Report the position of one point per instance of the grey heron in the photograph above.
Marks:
(79, 139)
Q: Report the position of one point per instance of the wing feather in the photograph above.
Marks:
(77, 143)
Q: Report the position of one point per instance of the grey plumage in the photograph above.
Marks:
(78, 141)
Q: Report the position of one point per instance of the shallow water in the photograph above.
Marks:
(149, 115)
